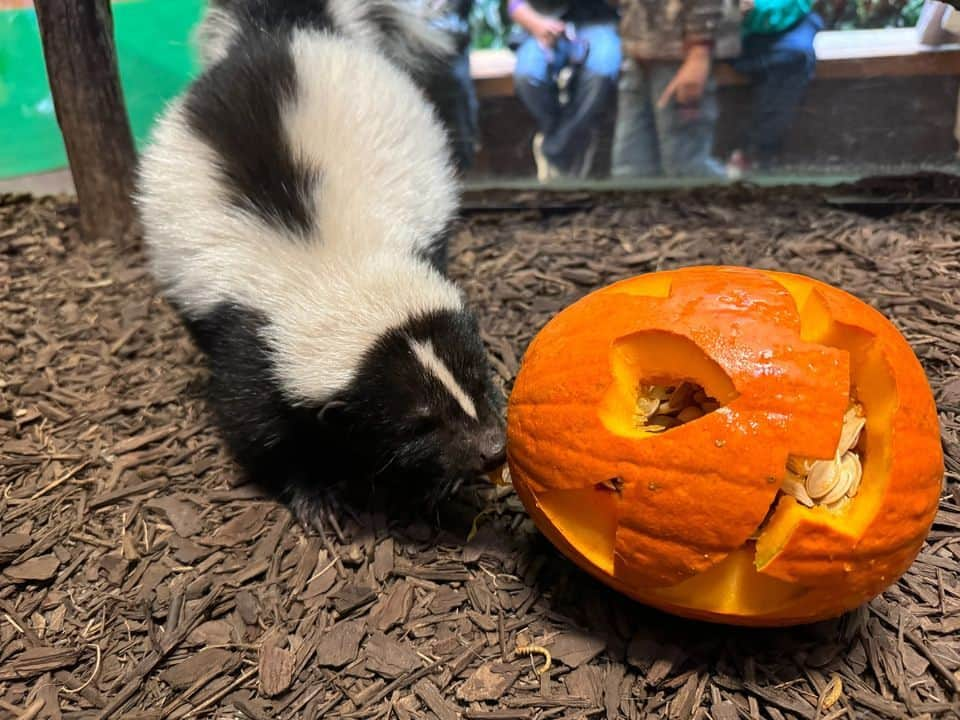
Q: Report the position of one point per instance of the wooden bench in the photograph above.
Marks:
(841, 54)
(879, 98)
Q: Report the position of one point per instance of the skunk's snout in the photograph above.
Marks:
(493, 449)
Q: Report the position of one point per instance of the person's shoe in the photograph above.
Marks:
(738, 165)
(545, 171)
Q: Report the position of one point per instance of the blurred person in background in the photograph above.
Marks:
(667, 101)
(452, 90)
(568, 57)
(779, 59)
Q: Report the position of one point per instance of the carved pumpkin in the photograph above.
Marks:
(728, 444)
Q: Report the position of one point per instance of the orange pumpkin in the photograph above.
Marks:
(796, 479)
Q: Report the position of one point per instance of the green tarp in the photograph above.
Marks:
(156, 61)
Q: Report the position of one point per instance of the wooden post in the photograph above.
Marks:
(77, 38)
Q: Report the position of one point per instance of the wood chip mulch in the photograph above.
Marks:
(139, 578)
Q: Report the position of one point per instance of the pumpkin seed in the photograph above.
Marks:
(678, 400)
(829, 482)
(660, 408)
(649, 398)
(793, 485)
(846, 473)
(691, 412)
(799, 466)
(501, 476)
(853, 424)
(822, 477)
(858, 477)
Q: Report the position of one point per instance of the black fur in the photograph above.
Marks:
(394, 427)
(235, 107)
(434, 439)
(437, 252)
(279, 16)
(252, 414)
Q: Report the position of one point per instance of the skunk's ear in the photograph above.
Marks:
(332, 411)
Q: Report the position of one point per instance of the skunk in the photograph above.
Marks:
(296, 202)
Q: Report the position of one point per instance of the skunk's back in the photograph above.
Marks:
(291, 155)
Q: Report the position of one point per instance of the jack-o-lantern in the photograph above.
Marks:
(728, 444)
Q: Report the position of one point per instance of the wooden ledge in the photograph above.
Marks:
(841, 54)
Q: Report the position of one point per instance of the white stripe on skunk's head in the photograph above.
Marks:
(427, 356)
(422, 407)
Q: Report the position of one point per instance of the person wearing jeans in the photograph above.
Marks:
(451, 88)
(667, 102)
(580, 38)
(778, 57)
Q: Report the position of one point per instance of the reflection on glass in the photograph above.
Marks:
(640, 90)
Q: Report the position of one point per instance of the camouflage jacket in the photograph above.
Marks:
(662, 29)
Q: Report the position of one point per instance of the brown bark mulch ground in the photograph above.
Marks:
(140, 579)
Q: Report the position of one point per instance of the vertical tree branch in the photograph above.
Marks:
(78, 47)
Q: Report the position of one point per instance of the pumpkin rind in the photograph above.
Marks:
(778, 351)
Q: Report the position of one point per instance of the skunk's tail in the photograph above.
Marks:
(397, 28)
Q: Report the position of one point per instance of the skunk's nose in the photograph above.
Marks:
(493, 453)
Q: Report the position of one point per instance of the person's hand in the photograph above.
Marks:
(747, 5)
(690, 80)
(545, 29)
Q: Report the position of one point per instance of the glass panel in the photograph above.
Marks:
(652, 92)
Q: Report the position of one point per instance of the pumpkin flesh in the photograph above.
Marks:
(692, 520)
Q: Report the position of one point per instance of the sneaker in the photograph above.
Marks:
(738, 165)
(545, 171)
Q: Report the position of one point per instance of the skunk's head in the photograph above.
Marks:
(423, 408)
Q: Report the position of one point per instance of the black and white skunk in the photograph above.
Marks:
(296, 202)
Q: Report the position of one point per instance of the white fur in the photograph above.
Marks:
(436, 367)
(215, 33)
(385, 188)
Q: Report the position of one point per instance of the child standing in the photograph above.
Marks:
(778, 57)
(667, 104)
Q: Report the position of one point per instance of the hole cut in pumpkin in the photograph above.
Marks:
(664, 407)
(587, 519)
(661, 381)
(873, 401)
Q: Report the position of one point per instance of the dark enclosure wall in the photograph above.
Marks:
(842, 124)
